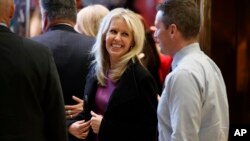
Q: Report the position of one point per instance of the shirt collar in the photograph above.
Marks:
(194, 47)
(3, 24)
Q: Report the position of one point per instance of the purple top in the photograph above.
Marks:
(103, 94)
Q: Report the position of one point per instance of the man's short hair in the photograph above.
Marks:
(184, 14)
(59, 9)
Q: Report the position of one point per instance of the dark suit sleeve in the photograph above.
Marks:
(85, 114)
(54, 113)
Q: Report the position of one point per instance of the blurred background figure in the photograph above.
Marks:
(144, 7)
(20, 21)
(89, 19)
(151, 57)
(35, 19)
(110, 4)
(31, 103)
(165, 60)
(165, 66)
(79, 4)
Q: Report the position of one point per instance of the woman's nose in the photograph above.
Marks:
(118, 36)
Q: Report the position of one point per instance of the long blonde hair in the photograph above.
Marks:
(102, 62)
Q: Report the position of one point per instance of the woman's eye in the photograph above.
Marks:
(125, 34)
(113, 31)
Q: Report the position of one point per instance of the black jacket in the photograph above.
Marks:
(131, 114)
(71, 53)
(31, 101)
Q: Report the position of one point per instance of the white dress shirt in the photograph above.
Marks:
(193, 105)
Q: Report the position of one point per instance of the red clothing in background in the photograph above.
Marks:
(165, 64)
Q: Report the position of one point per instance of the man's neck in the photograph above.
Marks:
(181, 43)
(3, 24)
(61, 22)
(57, 22)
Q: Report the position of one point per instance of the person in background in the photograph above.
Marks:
(30, 81)
(120, 94)
(111, 4)
(193, 105)
(153, 60)
(69, 48)
(89, 19)
(165, 67)
(79, 4)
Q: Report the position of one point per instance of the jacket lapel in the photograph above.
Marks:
(126, 89)
(90, 92)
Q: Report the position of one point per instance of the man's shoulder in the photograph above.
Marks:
(35, 46)
(62, 36)
(20, 42)
(24, 48)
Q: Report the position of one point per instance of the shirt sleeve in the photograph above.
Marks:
(184, 106)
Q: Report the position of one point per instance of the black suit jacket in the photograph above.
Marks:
(31, 103)
(131, 112)
(71, 53)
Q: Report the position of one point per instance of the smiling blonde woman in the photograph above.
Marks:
(120, 94)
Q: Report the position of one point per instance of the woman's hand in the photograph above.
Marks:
(73, 110)
(80, 129)
(95, 122)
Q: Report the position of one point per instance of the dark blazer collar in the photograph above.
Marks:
(62, 27)
(127, 81)
(126, 84)
(4, 29)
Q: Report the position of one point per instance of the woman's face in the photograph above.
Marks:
(118, 39)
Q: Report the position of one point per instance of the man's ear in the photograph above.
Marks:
(173, 30)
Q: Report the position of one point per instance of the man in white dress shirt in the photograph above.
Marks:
(193, 105)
